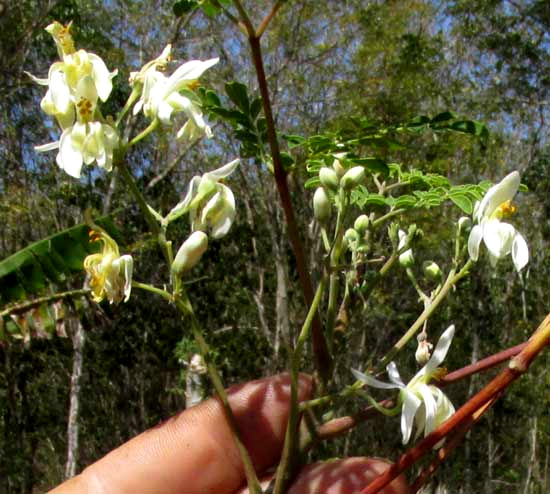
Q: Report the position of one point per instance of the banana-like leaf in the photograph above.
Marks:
(51, 260)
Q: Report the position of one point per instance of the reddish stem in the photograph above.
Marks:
(447, 449)
(322, 356)
(481, 365)
(517, 366)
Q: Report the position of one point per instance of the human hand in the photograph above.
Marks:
(194, 452)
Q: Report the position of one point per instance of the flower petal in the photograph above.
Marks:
(225, 170)
(439, 353)
(498, 237)
(372, 382)
(47, 147)
(60, 92)
(69, 158)
(127, 263)
(393, 374)
(473, 242)
(188, 72)
(520, 252)
(411, 403)
(504, 191)
(102, 77)
(430, 408)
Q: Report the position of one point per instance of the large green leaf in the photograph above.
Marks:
(51, 260)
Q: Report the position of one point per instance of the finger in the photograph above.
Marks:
(347, 476)
(194, 452)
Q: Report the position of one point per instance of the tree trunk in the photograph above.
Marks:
(78, 337)
(532, 457)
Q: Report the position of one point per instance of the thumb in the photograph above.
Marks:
(347, 476)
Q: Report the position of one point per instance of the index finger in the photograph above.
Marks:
(194, 451)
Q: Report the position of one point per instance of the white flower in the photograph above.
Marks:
(86, 140)
(499, 237)
(65, 76)
(424, 405)
(110, 273)
(161, 96)
(210, 203)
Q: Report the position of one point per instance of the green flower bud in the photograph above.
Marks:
(353, 177)
(432, 270)
(361, 224)
(338, 168)
(351, 236)
(407, 259)
(321, 205)
(190, 252)
(328, 177)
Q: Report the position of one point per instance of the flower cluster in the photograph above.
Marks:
(424, 405)
(332, 179)
(211, 207)
(163, 96)
(110, 273)
(500, 238)
(75, 83)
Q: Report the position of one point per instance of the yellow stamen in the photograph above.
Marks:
(439, 373)
(94, 236)
(506, 209)
(193, 84)
(85, 108)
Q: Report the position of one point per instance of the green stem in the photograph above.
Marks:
(417, 287)
(376, 279)
(133, 96)
(144, 207)
(184, 305)
(334, 282)
(287, 465)
(149, 288)
(144, 133)
(451, 280)
(331, 398)
(387, 216)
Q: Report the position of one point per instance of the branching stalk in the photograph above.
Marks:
(451, 281)
(185, 307)
(288, 464)
(322, 357)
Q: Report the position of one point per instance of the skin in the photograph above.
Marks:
(194, 453)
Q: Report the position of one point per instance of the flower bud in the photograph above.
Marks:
(361, 224)
(407, 259)
(423, 351)
(190, 252)
(432, 270)
(328, 177)
(353, 177)
(338, 168)
(321, 205)
(351, 236)
(463, 222)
